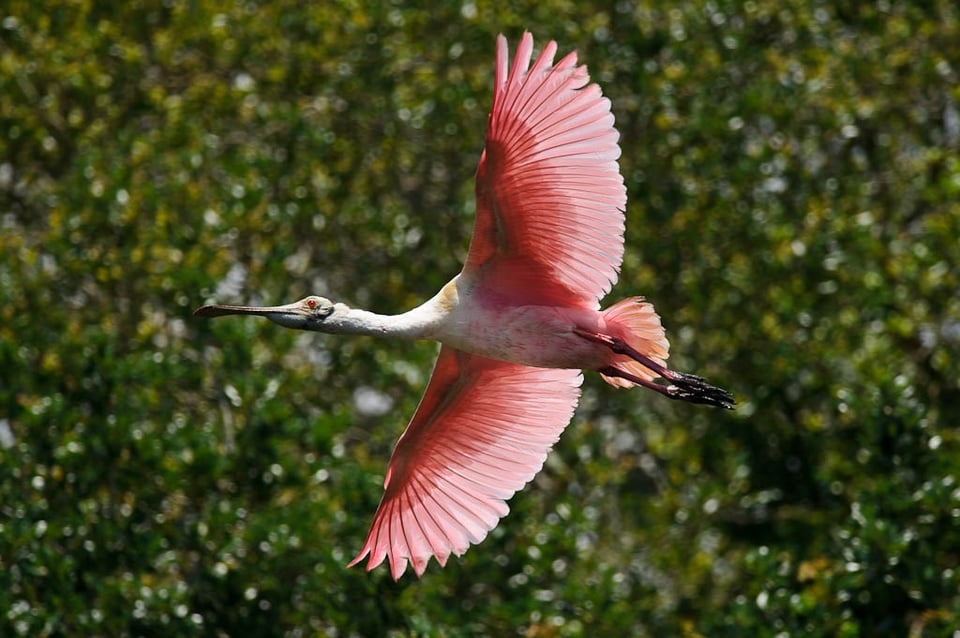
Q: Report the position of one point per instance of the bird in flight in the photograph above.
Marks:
(518, 324)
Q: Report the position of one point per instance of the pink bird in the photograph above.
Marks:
(520, 321)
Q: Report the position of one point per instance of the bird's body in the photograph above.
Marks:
(518, 324)
(497, 327)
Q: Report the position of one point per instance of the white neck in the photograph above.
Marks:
(421, 322)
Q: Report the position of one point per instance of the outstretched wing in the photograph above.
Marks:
(482, 431)
(550, 197)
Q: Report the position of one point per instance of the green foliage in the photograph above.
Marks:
(794, 213)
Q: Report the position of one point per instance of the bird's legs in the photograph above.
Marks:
(682, 386)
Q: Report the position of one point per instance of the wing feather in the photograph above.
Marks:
(550, 196)
(483, 429)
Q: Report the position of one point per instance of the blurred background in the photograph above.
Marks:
(794, 214)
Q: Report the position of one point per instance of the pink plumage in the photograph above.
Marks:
(517, 324)
(482, 431)
(550, 197)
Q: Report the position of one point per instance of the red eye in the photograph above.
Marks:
(311, 303)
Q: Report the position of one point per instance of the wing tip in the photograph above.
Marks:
(398, 562)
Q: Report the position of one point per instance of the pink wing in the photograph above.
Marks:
(550, 197)
(482, 431)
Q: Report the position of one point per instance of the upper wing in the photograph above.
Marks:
(550, 197)
(483, 429)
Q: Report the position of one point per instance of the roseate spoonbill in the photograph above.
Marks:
(520, 321)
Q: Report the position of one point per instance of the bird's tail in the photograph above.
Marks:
(635, 322)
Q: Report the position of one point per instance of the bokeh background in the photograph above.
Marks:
(794, 214)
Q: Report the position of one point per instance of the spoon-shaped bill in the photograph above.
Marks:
(221, 310)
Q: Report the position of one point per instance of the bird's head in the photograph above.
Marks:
(307, 314)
